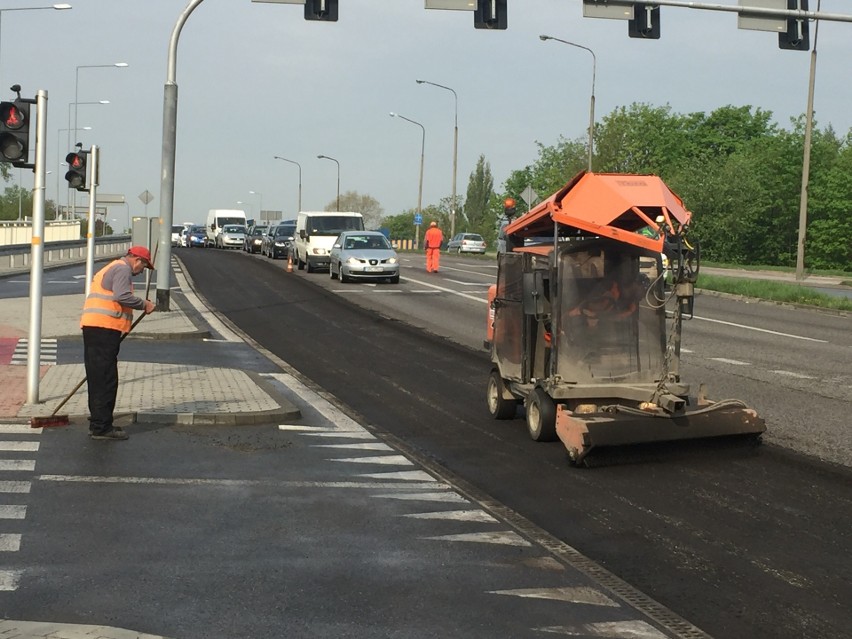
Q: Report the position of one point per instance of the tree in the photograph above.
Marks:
(480, 190)
(366, 205)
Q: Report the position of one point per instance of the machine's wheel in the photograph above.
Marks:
(394, 279)
(498, 406)
(541, 416)
(299, 263)
(308, 266)
(343, 276)
(331, 272)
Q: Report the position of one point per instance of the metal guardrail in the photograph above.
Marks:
(17, 257)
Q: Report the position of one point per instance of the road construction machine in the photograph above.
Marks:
(584, 329)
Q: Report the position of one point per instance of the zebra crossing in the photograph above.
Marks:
(47, 355)
(18, 446)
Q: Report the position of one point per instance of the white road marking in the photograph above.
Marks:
(504, 538)
(456, 515)
(17, 464)
(340, 434)
(792, 374)
(10, 542)
(762, 330)
(14, 486)
(173, 481)
(396, 460)
(215, 323)
(467, 283)
(19, 446)
(319, 403)
(734, 362)
(426, 496)
(405, 475)
(633, 629)
(9, 579)
(10, 511)
(18, 429)
(447, 290)
(361, 446)
(579, 594)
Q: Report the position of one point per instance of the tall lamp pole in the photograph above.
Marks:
(278, 157)
(260, 203)
(420, 189)
(325, 157)
(592, 103)
(455, 152)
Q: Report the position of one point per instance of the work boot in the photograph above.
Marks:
(116, 434)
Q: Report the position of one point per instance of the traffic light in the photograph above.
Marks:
(490, 14)
(15, 132)
(509, 209)
(645, 22)
(325, 10)
(77, 168)
(797, 35)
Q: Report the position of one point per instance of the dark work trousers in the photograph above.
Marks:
(100, 353)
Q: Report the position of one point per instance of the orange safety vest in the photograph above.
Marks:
(433, 237)
(101, 310)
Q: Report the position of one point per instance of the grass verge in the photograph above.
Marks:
(774, 291)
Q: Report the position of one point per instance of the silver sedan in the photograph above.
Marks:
(363, 255)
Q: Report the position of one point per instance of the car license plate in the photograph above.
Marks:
(374, 269)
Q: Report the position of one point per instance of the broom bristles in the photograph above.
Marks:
(47, 422)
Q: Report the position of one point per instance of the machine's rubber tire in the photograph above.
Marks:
(309, 267)
(343, 277)
(541, 416)
(498, 406)
(331, 272)
(394, 279)
(299, 263)
(458, 251)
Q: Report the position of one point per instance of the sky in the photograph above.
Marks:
(256, 80)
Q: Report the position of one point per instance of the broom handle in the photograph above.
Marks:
(132, 326)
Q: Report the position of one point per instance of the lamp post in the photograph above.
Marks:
(58, 7)
(325, 157)
(592, 103)
(420, 190)
(455, 152)
(260, 202)
(120, 65)
(278, 157)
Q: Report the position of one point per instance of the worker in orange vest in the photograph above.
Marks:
(433, 240)
(107, 318)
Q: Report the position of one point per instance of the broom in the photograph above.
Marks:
(63, 420)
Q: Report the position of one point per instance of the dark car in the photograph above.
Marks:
(196, 236)
(254, 238)
(278, 240)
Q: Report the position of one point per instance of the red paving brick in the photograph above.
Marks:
(13, 381)
(7, 349)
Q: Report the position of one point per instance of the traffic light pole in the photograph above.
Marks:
(37, 257)
(90, 231)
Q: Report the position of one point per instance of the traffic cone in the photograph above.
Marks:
(289, 262)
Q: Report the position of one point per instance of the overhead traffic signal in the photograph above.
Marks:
(645, 22)
(509, 208)
(325, 10)
(797, 35)
(77, 169)
(15, 132)
(490, 14)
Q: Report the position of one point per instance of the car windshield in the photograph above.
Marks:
(334, 224)
(258, 230)
(225, 221)
(197, 229)
(285, 231)
(474, 238)
(233, 228)
(177, 229)
(359, 242)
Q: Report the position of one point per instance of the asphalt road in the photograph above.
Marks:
(746, 543)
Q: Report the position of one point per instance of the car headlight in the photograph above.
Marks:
(392, 260)
(319, 251)
(352, 261)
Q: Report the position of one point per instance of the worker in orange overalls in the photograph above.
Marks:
(433, 240)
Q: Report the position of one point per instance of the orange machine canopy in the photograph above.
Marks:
(612, 205)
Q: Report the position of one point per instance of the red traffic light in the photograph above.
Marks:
(76, 175)
(12, 117)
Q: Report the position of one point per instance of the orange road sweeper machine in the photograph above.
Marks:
(584, 328)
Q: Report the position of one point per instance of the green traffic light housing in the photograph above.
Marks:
(77, 166)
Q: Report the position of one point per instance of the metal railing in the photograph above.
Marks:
(17, 257)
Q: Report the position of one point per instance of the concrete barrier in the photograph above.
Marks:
(18, 258)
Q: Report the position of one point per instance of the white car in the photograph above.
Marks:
(176, 235)
(231, 236)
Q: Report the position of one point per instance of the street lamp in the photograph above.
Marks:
(592, 104)
(278, 157)
(120, 65)
(455, 152)
(420, 190)
(260, 202)
(325, 157)
(58, 7)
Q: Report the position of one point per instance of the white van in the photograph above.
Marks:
(217, 218)
(316, 232)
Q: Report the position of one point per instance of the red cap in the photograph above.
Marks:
(143, 254)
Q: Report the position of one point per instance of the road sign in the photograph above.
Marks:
(529, 196)
(146, 196)
(418, 219)
(110, 198)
